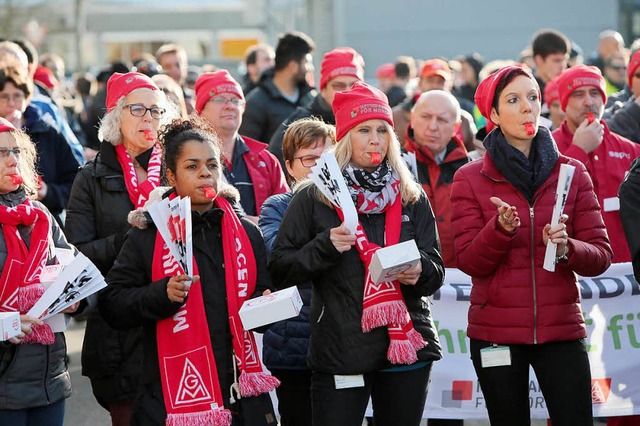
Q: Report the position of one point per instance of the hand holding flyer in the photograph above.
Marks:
(564, 184)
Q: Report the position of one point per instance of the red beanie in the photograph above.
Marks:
(45, 76)
(341, 61)
(361, 103)
(210, 84)
(634, 63)
(6, 126)
(577, 77)
(120, 85)
(486, 90)
(551, 92)
(386, 71)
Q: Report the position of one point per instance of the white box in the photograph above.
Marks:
(9, 325)
(271, 308)
(390, 261)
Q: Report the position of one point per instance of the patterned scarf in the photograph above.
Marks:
(372, 192)
(20, 286)
(139, 192)
(190, 383)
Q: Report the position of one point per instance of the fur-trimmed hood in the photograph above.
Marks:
(139, 218)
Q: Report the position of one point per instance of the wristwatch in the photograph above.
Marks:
(563, 256)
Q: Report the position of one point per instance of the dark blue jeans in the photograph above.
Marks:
(398, 398)
(48, 415)
(562, 370)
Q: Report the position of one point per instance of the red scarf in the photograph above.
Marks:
(188, 370)
(20, 286)
(139, 193)
(383, 303)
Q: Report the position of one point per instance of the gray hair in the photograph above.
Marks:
(112, 121)
(426, 96)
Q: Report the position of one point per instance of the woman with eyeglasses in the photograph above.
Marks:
(117, 181)
(57, 166)
(248, 166)
(285, 343)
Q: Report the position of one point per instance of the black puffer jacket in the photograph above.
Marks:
(132, 300)
(97, 224)
(33, 375)
(266, 108)
(318, 108)
(303, 251)
(629, 194)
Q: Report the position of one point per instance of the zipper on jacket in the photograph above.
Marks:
(46, 374)
(533, 277)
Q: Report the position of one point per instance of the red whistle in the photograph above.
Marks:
(376, 158)
(16, 179)
(530, 129)
(148, 134)
(591, 117)
(209, 192)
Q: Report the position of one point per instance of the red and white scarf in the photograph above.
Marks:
(20, 286)
(190, 383)
(383, 303)
(139, 192)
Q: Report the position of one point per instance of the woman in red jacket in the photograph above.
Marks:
(522, 315)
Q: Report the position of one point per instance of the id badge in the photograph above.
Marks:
(611, 204)
(495, 356)
(345, 382)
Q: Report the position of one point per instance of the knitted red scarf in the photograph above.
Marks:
(139, 192)
(190, 382)
(383, 303)
(20, 286)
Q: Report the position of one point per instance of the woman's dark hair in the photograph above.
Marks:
(507, 78)
(18, 79)
(178, 132)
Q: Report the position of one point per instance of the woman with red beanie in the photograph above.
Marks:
(367, 339)
(522, 315)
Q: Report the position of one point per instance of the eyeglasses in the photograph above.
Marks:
(139, 110)
(308, 160)
(224, 101)
(15, 97)
(5, 152)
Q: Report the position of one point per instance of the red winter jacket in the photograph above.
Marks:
(265, 171)
(513, 299)
(438, 188)
(607, 165)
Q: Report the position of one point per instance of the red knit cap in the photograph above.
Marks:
(386, 71)
(361, 103)
(435, 67)
(45, 76)
(210, 84)
(551, 93)
(486, 90)
(341, 61)
(6, 126)
(577, 77)
(120, 85)
(634, 63)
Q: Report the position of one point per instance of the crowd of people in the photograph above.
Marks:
(458, 155)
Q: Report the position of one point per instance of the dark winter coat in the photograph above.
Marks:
(624, 119)
(304, 252)
(630, 213)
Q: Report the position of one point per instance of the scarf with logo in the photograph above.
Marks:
(190, 384)
(20, 286)
(383, 303)
(139, 191)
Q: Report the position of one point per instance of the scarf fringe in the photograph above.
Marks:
(416, 339)
(215, 417)
(401, 352)
(385, 313)
(28, 295)
(253, 384)
(41, 334)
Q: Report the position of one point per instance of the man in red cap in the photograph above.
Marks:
(585, 137)
(249, 167)
(385, 75)
(624, 117)
(339, 70)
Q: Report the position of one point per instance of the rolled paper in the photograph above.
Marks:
(209, 192)
(376, 158)
(148, 135)
(530, 129)
(16, 179)
(591, 117)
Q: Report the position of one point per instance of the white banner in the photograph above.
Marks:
(611, 307)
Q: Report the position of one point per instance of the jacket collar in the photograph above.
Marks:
(455, 148)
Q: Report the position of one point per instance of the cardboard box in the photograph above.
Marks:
(392, 260)
(271, 308)
(9, 325)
